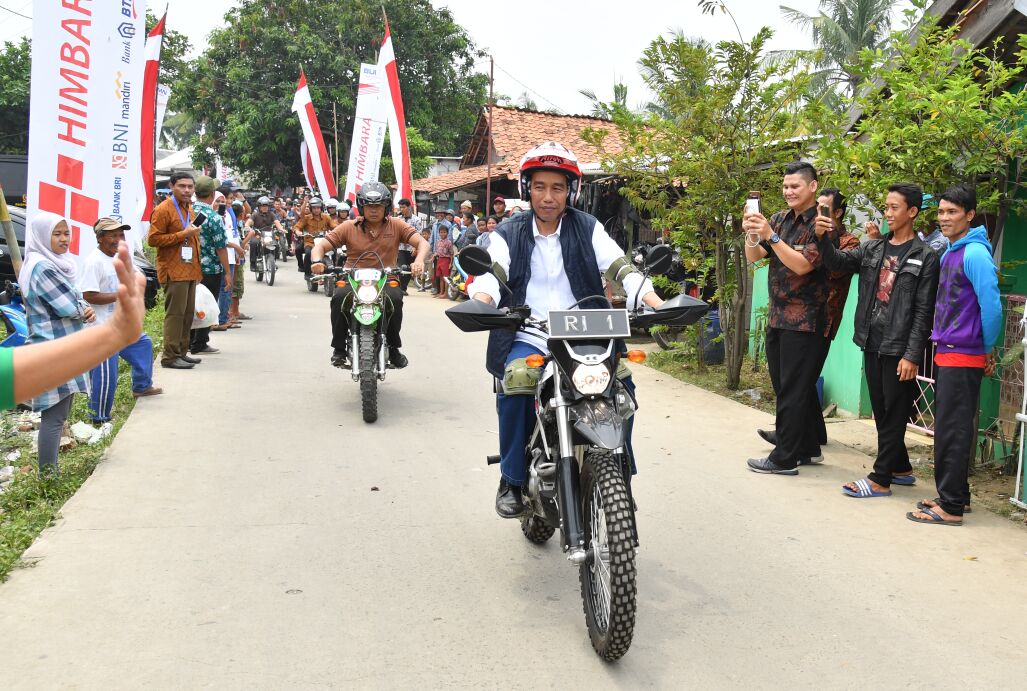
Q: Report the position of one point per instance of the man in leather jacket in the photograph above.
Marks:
(898, 281)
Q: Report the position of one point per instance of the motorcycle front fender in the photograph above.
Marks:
(375, 316)
(599, 423)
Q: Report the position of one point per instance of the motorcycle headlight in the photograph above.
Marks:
(367, 293)
(591, 379)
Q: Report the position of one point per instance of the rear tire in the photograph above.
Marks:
(368, 378)
(536, 530)
(272, 268)
(608, 575)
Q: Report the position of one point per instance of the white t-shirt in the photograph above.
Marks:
(232, 232)
(98, 276)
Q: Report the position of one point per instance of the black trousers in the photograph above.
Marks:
(892, 402)
(794, 359)
(303, 259)
(957, 391)
(342, 304)
(199, 338)
(403, 259)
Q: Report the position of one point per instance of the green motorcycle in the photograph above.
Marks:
(368, 320)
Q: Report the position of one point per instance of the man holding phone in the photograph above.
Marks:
(898, 280)
(797, 316)
(176, 237)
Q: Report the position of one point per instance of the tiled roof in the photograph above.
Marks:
(514, 132)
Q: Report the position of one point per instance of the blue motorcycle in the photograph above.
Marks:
(12, 314)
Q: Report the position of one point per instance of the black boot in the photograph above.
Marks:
(397, 359)
(340, 358)
(509, 503)
(768, 435)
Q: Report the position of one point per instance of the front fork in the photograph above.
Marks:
(568, 483)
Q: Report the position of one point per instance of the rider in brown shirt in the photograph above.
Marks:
(313, 221)
(372, 241)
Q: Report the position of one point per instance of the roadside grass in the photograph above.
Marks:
(29, 504)
(677, 364)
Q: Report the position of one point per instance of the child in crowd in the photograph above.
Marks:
(967, 320)
(54, 308)
(443, 257)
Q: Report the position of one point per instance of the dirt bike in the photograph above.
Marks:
(368, 321)
(266, 265)
(578, 456)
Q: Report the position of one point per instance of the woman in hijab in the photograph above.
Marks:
(55, 308)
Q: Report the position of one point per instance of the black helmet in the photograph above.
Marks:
(374, 193)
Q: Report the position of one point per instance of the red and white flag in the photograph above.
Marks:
(148, 115)
(397, 119)
(304, 108)
(307, 164)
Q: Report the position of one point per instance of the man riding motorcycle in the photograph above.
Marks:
(550, 259)
(262, 219)
(377, 237)
(312, 222)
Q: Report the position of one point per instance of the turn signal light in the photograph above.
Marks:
(636, 356)
(340, 284)
(394, 284)
(535, 360)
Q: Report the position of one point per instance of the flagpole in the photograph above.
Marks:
(335, 129)
(488, 143)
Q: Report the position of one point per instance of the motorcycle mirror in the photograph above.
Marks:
(475, 260)
(659, 260)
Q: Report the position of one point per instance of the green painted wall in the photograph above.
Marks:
(843, 371)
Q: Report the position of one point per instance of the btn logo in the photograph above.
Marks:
(127, 29)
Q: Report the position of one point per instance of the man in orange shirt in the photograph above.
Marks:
(176, 238)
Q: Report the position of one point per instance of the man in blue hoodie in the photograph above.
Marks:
(967, 320)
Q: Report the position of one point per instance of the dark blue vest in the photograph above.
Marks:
(579, 261)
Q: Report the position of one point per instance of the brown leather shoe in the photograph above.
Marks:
(220, 327)
(152, 391)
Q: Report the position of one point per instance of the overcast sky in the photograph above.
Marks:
(549, 48)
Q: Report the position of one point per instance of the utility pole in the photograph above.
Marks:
(487, 206)
(12, 239)
(335, 128)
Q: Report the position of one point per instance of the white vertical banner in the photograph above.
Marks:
(163, 95)
(369, 125)
(307, 164)
(397, 118)
(85, 106)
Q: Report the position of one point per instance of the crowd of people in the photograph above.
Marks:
(913, 289)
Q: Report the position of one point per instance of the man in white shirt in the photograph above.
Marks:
(233, 250)
(550, 260)
(98, 282)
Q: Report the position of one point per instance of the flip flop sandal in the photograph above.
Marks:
(865, 491)
(903, 480)
(934, 519)
(922, 506)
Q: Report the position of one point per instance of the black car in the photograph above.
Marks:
(141, 262)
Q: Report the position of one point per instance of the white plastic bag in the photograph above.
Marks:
(206, 311)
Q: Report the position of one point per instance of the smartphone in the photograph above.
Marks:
(825, 210)
(200, 219)
(752, 203)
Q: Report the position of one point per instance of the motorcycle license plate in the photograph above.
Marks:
(367, 275)
(570, 324)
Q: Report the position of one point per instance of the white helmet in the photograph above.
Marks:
(332, 203)
(343, 207)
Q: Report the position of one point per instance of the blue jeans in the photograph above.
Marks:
(225, 296)
(517, 419)
(105, 377)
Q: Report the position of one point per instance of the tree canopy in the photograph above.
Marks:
(15, 65)
(241, 88)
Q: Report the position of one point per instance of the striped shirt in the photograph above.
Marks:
(54, 308)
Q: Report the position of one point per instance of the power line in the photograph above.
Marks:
(24, 16)
(555, 107)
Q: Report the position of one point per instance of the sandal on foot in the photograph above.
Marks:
(922, 506)
(934, 519)
(904, 480)
(864, 490)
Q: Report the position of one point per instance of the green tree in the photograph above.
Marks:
(241, 88)
(840, 31)
(15, 63)
(420, 157)
(603, 110)
(935, 110)
(729, 117)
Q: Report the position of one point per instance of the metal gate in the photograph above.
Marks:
(922, 418)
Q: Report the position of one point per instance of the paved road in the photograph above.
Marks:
(234, 539)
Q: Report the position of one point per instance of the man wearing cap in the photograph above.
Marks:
(406, 252)
(499, 208)
(178, 268)
(213, 256)
(98, 282)
(467, 206)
